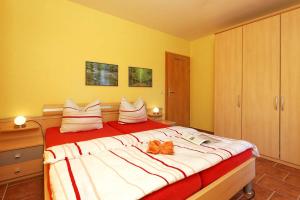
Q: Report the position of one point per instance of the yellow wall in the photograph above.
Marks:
(45, 44)
(202, 83)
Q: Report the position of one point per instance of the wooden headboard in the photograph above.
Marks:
(110, 111)
(52, 115)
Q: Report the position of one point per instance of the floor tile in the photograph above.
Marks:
(25, 180)
(261, 193)
(293, 180)
(272, 171)
(281, 187)
(2, 190)
(289, 169)
(265, 162)
(277, 196)
(258, 176)
(30, 190)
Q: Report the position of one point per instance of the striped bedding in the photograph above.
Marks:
(119, 168)
(77, 119)
(132, 113)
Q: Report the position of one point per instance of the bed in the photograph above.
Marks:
(137, 127)
(236, 172)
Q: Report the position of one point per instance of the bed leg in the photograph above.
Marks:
(248, 191)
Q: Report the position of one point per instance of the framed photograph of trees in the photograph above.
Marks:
(140, 77)
(101, 74)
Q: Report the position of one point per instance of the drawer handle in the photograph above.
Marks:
(18, 171)
(17, 156)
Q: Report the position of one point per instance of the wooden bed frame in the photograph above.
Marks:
(222, 189)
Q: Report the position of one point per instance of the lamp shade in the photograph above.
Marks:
(155, 110)
(20, 120)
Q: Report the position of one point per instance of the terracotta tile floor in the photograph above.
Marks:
(29, 189)
(273, 181)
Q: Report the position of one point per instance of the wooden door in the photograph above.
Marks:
(228, 83)
(261, 80)
(290, 87)
(178, 89)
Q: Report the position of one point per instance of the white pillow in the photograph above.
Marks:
(81, 119)
(132, 113)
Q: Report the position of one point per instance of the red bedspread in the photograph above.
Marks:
(54, 137)
(137, 127)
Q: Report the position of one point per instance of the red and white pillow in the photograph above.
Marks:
(132, 113)
(76, 118)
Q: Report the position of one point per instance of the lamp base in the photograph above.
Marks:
(20, 126)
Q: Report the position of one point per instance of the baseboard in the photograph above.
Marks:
(281, 161)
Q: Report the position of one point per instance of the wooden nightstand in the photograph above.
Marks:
(166, 122)
(21, 151)
(155, 117)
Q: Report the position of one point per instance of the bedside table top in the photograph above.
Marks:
(10, 128)
(16, 138)
(167, 122)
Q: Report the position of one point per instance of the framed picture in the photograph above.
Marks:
(140, 77)
(101, 74)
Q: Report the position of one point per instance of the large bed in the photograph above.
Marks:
(226, 177)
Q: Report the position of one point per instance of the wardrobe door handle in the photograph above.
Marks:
(282, 103)
(239, 101)
(276, 103)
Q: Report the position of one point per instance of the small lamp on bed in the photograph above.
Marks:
(20, 122)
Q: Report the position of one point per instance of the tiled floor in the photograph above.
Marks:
(29, 189)
(273, 181)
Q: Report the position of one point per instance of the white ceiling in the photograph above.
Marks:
(189, 19)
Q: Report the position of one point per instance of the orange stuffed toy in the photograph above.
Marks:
(156, 147)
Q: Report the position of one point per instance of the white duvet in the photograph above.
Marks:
(119, 168)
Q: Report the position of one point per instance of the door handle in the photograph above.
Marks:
(276, 103)
(17, 156)
(282, 103)
(239, 101)
(171, 92)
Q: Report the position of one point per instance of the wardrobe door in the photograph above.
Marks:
(228, 83)
(261, 80)
(290, 86)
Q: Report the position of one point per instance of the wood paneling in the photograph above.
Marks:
(228, 83)
(261, 80)
(290, 87)
(178, 89)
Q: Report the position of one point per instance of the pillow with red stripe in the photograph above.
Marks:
(132, 113)
(76, 119)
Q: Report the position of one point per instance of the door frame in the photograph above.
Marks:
(167, 53)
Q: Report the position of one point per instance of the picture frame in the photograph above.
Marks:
(101, 74)
(139, 77)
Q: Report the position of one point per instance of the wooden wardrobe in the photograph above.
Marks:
(228, 84)
(257, 85)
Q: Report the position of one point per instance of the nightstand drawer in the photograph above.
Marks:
(21, 155)
(21, 169)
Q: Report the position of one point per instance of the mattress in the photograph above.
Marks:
(179, 190)
(136, 127)
(54, 137)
